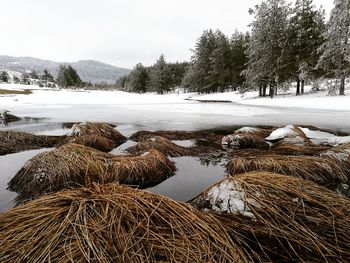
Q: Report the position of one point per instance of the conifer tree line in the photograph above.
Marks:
(286, 43)
(161, 77)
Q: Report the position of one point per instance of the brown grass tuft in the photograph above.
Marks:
(244, 141)
(12, 141)
(323, 171)
(99, 129)
(72, 165)
(178, 135)
(111, 223)
(290, 220)
(162, 145)
(93, 141)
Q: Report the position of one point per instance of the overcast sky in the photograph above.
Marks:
(118, 32)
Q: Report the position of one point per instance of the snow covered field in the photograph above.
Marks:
(174, 111)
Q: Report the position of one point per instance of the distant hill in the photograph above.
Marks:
(88, 70)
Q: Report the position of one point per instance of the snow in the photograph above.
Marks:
(246, 130)
(325, 138)
(281, 133)
(229, 197)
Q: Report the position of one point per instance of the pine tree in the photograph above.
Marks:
(336, 48)
(160, 76)
(139, 79)
(266, 45)
(33, 74)
(68, 77)
(304, 39)
(239, 43)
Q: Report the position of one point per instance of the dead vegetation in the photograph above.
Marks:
(111, 223)
(289, 220)
(324, 171)
(73, 165)
(12, 141)
(101, 136)
(178, 135)
(244, 141)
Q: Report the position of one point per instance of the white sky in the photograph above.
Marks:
(118, 32)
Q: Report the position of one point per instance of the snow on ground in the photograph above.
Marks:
(288, 99)
(325, 138)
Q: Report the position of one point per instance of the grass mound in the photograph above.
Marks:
(282, 219)
(257, 132)
(73, 165)
(94, 129)
(292, 149)
(111, 223)
(93, 141)
(324, 171)
(12, 141)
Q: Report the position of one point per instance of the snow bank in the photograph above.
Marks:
(281, 133)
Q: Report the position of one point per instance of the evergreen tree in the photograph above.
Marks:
(47, 76)
(304, 39)
(336, 48)
(160, 76)
(239, 43)
(138, 78)
(268, 40)
(68, 77)
(4, 76)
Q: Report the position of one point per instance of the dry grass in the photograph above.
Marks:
(294, 220)
(162, 145)
(12, 142)
(72, 165)
(257, 132)
(99, 129)
(178, 135)
(323, 171)
(290, 149)
(15, 92)
(110, 223)
(93, 141)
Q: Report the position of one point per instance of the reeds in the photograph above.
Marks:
(323, 171)
(282, 218)
(93, 141)
(12, 141)
(111, 223)
(72, 165)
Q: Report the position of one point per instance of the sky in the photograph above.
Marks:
(119, 32)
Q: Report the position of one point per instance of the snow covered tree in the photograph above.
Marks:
(304, 39)
(33, 74)
(138, 79)
(160, 76)
(336, 48)
(266, 45)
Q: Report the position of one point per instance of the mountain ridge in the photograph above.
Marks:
(89, 70)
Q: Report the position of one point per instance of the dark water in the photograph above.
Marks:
(192, 176)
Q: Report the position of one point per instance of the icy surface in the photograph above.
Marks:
(246, 130)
